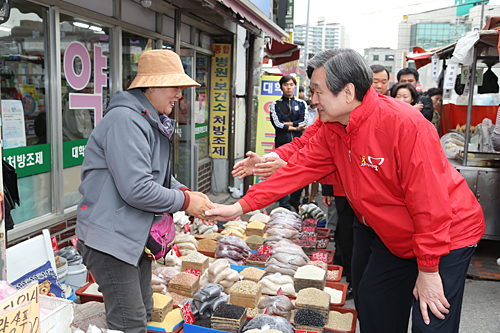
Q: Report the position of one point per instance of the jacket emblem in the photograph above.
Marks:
(372, 162)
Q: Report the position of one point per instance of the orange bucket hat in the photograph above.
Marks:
(161, 68)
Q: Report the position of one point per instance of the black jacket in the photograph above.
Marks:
(287, 110)
(428, 110)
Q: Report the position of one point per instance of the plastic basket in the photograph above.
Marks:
(333, 268)
(84, 298)
(239, 268)
(339, 286)
(345, 310)
(324, 230)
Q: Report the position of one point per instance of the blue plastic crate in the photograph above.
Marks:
(239, 268)
(189, 328)
(321, 224)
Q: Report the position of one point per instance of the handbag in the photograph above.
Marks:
(160, 238)
(162, 234)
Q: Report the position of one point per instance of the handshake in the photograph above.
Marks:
(199, 203)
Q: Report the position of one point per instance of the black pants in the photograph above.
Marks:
(294, 198)
(363, 240)
(386, 292)
(344, 236)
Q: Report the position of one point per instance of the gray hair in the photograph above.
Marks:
(343, 66)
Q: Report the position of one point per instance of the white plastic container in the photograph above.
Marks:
(77, 276)
(59, 318)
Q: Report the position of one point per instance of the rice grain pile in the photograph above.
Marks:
(195, 257)
(208, 245)
(309, 272)
(335, 295)
(340, 321)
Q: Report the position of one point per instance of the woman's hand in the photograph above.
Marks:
(198, 204)
(225, 213)
(245, 167)
(429, 291)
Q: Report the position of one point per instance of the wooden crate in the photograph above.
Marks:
(308, 328)
(159, 314)
(253, 231)
(308, 250)
(257, 263)
(246, 300)
(203, 266)
(305, 283)
(184, 289)
(228, 325)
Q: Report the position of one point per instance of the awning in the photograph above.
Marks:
(420, 56)
(254, 15)
(282, 52)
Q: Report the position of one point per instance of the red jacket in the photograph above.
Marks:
(396, 176)
(287, 151)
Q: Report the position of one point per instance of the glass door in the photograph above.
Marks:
(184, 162)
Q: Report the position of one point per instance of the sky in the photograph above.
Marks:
(371, 23)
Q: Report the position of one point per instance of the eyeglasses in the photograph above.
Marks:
(375, 81)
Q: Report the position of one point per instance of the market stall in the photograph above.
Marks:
(476, 161)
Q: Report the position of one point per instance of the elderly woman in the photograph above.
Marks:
(127, 186)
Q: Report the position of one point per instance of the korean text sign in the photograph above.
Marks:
(220, 101)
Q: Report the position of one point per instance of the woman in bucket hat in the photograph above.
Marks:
(127, 186)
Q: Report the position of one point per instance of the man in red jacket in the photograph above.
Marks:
(389, 160)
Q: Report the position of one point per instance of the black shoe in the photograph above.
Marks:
(349, 294)
(295, 205)
(305, 201)
(314, 203)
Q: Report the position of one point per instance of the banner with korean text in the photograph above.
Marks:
(269, 92)
(220, 101)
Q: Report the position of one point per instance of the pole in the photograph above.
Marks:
(472, 80)
(441, 83)
(307, 39)
(482, 15)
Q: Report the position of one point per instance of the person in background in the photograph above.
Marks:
(127, 186)
(405, 92)
(312, 112)
(288, 117)
(302, 95)
(436, 95)
(423, 103)
(389, 161)
(381, 79)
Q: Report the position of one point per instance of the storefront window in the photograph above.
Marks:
(132, 48)
(201, 107)
(185, 120)
(25, 117)
(85, 93)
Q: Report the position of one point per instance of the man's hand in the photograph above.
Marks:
(198, 205)
(429, 291)
(419, 107)
(302, 127)
(225, 213)
(245, 167)
(327, 200)
(266, 169)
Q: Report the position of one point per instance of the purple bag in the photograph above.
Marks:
(161, 238)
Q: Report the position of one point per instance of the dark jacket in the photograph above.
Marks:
(287, 110)
(428, 110)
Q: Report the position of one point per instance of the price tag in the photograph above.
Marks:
(74, 240)
(230, 234)
(176, 250)
(310, 229)
(280, 292)
(54, 244)
(266, 249)
(315, 221)
(187, 314)
(266, 311)
(187, 228)
(320, 256)
(196, 272)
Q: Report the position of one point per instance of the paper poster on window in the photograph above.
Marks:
(14, 134)
(220, 94)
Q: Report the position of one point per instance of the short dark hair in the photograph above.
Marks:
(434, 91)
(301, 89)
(379, 68)
(343, 66)
(287, 78)
(409, 86)
(408, 70)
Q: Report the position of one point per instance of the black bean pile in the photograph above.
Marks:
(229, 311)
(207, 322)
(308, 317)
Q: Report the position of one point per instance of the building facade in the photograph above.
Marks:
(384, 56)
(62, 61)
(322, 36)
